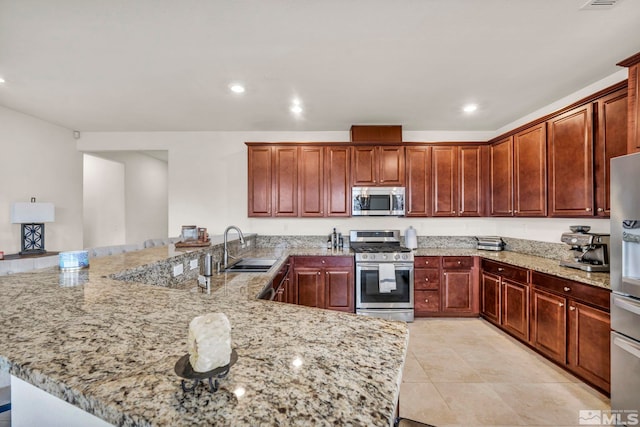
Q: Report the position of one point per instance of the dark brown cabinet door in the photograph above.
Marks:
(444, 168)
(549, 324)
(589, 344)
(418, 162)
(427, 302)
(311, 181)
(285, 190)
(309, 287)
(490, 297)
(390, 165)
(501, 178)
(611, 141)
(337, 178)
(570, 157)
(260, 176)
(470, 190)
(339, 289)
(530, 172)
(515, 309)
(633, 103)
(364, 166)
(457, 291)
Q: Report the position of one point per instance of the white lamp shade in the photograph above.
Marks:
(32, 213)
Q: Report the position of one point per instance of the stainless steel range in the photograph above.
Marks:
(384, 274)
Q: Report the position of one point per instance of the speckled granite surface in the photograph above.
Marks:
(109, 347)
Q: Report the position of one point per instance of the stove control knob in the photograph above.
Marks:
(405, 256)
(384, 256)
(365, 256)
(396, 257)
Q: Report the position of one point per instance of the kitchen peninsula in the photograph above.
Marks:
(109, 347)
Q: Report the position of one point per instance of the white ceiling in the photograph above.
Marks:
(165, 65)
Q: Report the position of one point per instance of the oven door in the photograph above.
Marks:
(368, 293)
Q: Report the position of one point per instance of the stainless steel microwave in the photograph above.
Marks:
(377, 201)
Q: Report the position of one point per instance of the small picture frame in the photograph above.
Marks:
(189, 233)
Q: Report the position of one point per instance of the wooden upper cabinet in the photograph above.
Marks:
(470, 189)
(285, 189)
(381, 165)
(530, 171)
(337, 180)
(260, 176)
(570, 157)
(444, 168)
(501, 178)
(418, 191)
(382, 133)
(311, 181)
(610, 142)
(633, 102)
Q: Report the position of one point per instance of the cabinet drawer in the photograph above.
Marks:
(427, 301)
(322, 261)
(517, 274)
(457, 262)
(427, 261)
(568, 288)
(426, 278)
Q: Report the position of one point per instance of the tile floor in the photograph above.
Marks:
(466, 372)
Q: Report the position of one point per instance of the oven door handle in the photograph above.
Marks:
(398, 266)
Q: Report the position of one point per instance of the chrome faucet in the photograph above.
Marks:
(226, 256)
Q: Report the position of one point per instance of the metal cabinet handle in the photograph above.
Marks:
(426, 300)
(453, 212)
(588, 209)
(561, 304)
(323, 261)
(459, 262)
(572, 308)
(516, 211)
(426, 262)
(567, 289)
(426, 279)
(500, 269)
(318, 273)
(509, 211)
(600, 210)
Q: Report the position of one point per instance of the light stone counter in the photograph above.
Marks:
(109, 347)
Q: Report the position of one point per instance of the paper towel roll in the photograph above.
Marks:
(411, 238)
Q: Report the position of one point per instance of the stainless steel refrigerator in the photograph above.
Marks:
(625, 283)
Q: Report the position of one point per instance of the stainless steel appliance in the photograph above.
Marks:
(625, 285)
(590, 250)
(377, 201)
(384, 274)
(490, 243)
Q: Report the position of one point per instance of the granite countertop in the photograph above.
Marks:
(109, 347)
(543, 265)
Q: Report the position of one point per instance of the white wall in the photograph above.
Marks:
(104, 208)
(145, 194)
(39, 159)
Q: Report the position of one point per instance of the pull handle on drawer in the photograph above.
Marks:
(567, 289)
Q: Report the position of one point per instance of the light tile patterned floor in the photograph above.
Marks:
(466, 372)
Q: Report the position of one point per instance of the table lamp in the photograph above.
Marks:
(32, 217)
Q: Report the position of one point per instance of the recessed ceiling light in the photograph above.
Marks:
(296, 109)
(469, 108)
(236, 88)
(1, 80)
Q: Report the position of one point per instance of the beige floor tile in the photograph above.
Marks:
(550, 404)
(422, 402)
(477, 404)
(413, 372)
(446, 366)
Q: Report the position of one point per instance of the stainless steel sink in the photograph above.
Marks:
(252, 265)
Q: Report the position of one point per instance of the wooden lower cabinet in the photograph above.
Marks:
(549, 324)
(490, 297)
(589, 335)
(324, 282)
(515, 309)
(445, 286)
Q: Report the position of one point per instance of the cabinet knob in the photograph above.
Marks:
(426, 262)
(426, 279)
(561, 304)
(426, 300)
(567, 289)
(509, 211)
(500, 269)
(600, 210)
(572, 308)
(453, 212)
(318, 273)
(588, 209)
(445, 274)
(323, 261)
(459, 262)
(516, 211)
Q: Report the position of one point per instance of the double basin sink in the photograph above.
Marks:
(251, 265)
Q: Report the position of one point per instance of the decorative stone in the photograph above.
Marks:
(209, 342)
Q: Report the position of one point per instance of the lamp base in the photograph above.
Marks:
(32, 239)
